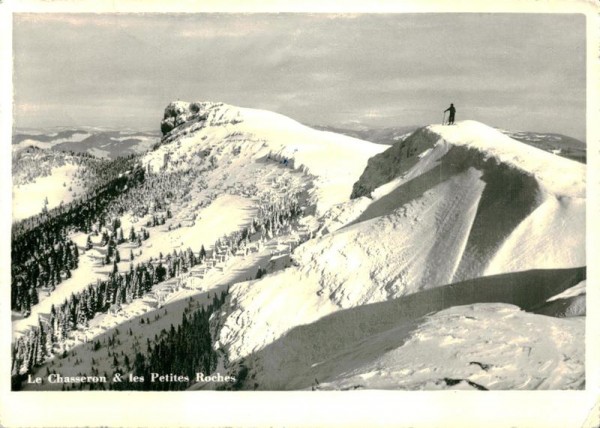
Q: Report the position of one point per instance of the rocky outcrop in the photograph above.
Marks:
(178, 113)
(181, 115)
(391, 163)
(175, 114)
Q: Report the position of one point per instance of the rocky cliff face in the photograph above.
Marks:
(388, 165)
(179, 115)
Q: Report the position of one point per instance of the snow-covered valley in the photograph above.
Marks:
(454, 259)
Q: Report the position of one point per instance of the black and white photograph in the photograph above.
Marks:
(333, 203)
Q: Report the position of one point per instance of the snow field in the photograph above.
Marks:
(491, 345)
(293, 360)
(28, 199)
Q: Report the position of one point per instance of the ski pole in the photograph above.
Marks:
(444, 118)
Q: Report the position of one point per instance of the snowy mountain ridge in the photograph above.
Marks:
(343, 256)
(560, 176)
(221, 131)
(463, 202)
(556, 175)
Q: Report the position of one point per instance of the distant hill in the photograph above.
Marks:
(45, 178)
(100, 142)
(387, 136)
(559, 144)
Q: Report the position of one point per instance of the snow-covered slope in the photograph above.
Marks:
(526, 209)
(570, 303)
(489, 146)
(44, 179)
(243, 136)
(448, 204)
(465, 347)
(226, 168)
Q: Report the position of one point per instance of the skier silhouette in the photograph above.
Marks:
(452, 110)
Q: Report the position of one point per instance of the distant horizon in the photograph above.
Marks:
(520, 72)
(348, 128)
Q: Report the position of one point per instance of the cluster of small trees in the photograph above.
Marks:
(185, 350)
(41, 252)
(122, 288)
(45, 269)
(154, 194)
(91, 207)
(270, 222)
(41, 257)
(81, 307)
(277, 215)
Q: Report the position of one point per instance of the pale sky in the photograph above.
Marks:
(515, 71)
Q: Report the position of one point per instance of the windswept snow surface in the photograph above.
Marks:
(310, 328)
(483, 346)
(448, 204)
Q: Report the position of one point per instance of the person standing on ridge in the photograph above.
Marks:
(452, 111)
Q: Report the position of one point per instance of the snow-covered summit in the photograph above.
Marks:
(556, 174)
(235, 138)
(473, 144)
